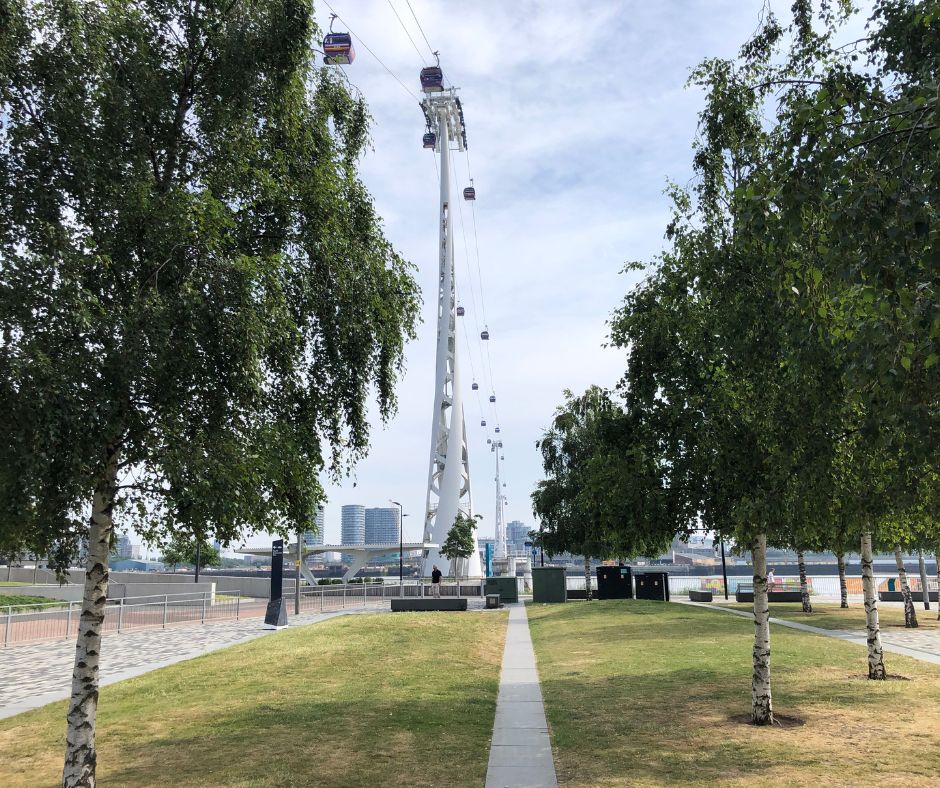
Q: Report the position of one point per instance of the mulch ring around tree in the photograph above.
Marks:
(780, 720)
(888, 677)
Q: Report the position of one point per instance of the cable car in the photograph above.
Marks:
(485, 334)
(461, 311)
(497, 429)
(482, 422)
(502, 456)
(338, 47)
(492, 398)
(432, 79)
(470, 193)
(504, 484)
(429, 140)
(475, 386)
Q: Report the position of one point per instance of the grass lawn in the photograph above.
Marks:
(643, 693)
(35, 602)
(831, 616)
(392, 700)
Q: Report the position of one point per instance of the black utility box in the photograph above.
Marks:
(653, 585)
(700, 596)
(614, 582)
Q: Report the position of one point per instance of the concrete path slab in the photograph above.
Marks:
(521, 751)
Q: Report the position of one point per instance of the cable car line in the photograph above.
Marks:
(413, 14)
(369, 50)
(406, 31)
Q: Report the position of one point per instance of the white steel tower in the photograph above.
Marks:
(449, 466)
(501, 551)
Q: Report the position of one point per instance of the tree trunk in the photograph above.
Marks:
(843, 586)
(587, 577)
(910, 615)
(936, 558)
(876, 659)
(80, 754)
(804, 588)
(761, 705)
(923, 578)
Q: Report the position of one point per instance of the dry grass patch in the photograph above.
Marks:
(367, 699)
(655, 702)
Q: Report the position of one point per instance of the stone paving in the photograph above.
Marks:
(521, 751)
(35, 674)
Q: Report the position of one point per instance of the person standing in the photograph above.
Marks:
(436, 582)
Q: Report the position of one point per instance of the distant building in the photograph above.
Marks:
(136, 565)
(382, 525)
(312, 539)
(353, 526)
(517, 534)
(125, 549)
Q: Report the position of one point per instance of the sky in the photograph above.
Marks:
(577, 117)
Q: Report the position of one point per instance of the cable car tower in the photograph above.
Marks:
(449, 465)
(501, 552)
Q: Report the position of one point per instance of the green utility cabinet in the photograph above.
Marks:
(506, 587)
(549, 584)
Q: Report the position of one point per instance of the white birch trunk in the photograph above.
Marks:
(80, 753)
(923, 578)
(587, 577)
(936, 558)
(876, 659)
(843, 586)
(910, 615)
(804, 587)
(761, 703)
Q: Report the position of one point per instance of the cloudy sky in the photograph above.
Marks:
(577, 114)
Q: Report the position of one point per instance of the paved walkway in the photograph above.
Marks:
(35, 674)
(521, 752)
(919, 644)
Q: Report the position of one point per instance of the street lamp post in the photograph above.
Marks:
(401, 547)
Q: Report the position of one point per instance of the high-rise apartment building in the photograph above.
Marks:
(312, 539)
(383, 525)
(353, 524)
(517, 533)
(124, 548)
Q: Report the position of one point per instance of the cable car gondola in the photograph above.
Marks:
(461, 311)
(492, 398)
(432, 77)
(338, 47)
(429, 140)
(485, 334)
(497, 429)
(502, 456)
(475, 386)
(482, 422)
(470, 193)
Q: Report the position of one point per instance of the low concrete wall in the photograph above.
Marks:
(73, 593)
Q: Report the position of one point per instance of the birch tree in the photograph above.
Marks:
(196, 297)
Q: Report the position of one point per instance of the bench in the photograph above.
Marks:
(700, 596)
(492, 601)
(413, 604)
(772, 596)
(897, 596)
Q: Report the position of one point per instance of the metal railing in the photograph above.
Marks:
(60, 620)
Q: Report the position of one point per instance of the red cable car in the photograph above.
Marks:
(469, 193)
(432, 79)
